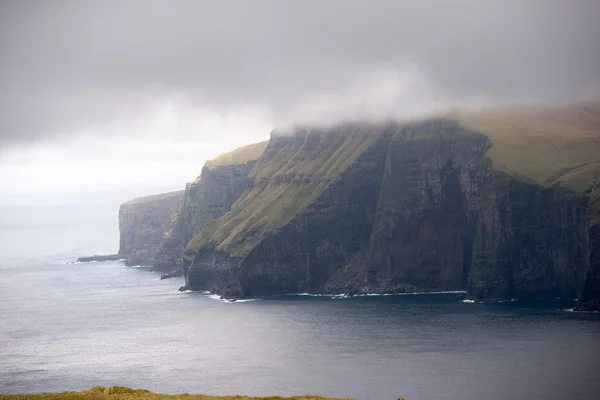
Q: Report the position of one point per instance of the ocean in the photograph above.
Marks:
(67, 326)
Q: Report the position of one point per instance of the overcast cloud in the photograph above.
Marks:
(70, 66)
(200, 71)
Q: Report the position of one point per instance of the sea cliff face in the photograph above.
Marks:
(388, 207)
(142, 224)
(211, 196)
(589, 296)
(221, 183)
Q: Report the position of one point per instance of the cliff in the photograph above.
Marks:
(498, 203)
(211, 195)
(589, 296)
(142, 223)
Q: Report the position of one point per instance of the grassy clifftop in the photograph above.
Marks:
(156, 197)
(239, 155)
(546, 145)
(293, 171)
(123, 393)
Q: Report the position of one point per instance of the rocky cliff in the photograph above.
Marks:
(142, 224)
(448, 204)
(589, 296)
(211, 195)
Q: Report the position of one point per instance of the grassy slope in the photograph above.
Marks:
(239, 155)
(149, 199)
(122, 393)
(270, 204)
(546, 145)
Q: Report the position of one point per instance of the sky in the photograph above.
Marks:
(109, 99)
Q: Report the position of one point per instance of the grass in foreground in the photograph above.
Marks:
(123, 393)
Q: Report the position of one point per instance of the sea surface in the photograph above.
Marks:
(67, 326)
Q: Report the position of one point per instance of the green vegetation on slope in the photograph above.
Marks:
(238, 156)
(149, 199)
(547, 145)
(293, 171)
(123, 393)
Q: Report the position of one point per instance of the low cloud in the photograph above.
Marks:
(106, 68)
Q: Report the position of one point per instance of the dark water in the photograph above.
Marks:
(73, 326)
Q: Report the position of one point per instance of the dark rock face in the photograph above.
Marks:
(421, 209)
(203, 201)
(142, 224)
(530, 242)
(589, 299)
(426, 213)
(304, 253)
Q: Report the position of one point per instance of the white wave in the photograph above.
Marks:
(573, 310)
(137, 266)
(377, 294)
(93, 261)
(310, 294)
(188, 291)
(346, 295)
(341, 296)
(504, 301)
(413, 293)
(78, 262)
(217, 297)
(488, 302)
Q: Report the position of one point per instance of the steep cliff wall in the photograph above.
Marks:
(220, 184)
(388, 208)
(142, 224)
(266, 235)
(589, 296)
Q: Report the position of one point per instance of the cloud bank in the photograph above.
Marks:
(109, 67)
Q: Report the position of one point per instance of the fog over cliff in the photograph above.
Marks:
(148, 75)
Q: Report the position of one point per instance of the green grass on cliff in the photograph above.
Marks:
(156, 197)
(546, 145)
(289, 176)
(240, 155)
(123, 393)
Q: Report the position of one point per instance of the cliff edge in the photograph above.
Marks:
(142, 224)
(211, 195)
(500, 204)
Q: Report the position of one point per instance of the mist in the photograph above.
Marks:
(209, 76)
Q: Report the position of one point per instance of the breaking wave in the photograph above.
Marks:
(338, 296)
(217, 297)
(573, 310)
